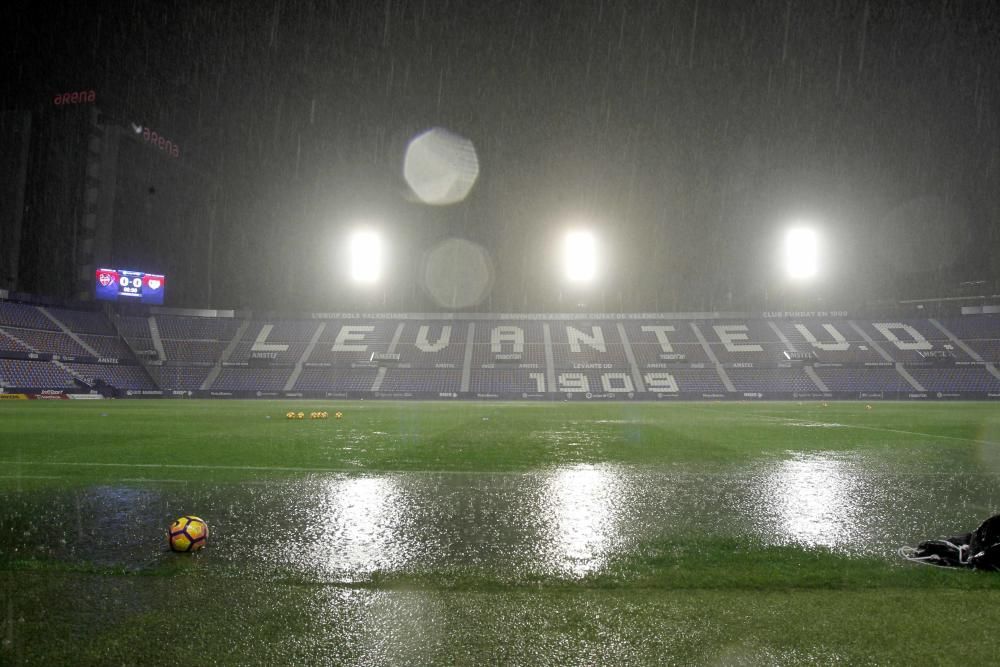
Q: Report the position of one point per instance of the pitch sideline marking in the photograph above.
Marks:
(185, 466)
(672, 473)
(198, 466)
(32, 476)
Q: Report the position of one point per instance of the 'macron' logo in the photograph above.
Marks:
(106, 279)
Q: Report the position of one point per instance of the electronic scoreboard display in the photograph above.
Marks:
(120, 284)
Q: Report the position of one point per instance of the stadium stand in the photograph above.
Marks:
(421, 380)
(197, 328)
(830, 341)
(120, 377)
(107, 346)
(584, 344)
(979, 333)
(258, 341)
(39, 374)
(861, 379)
(432, 344)
(24, 316)
(328, 379)
(693, 380)
(509, 356)
(744, 341)
(508, 341)
(958, 378)
(182, 378)
(771, 380)
(913, 340)
(47, 341)
(506, 380)
(192, 351)
(8, 342)
(660, 342)
(346, 342)
(252, 379)
(132, 327)
(83, 321)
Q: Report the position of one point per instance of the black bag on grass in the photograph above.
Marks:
(984, 546)
(978, 550)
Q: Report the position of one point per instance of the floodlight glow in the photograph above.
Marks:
(801, 253)
(580, 256)
(366, 257)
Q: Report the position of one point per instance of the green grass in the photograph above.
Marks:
(472, 436)
(703, 586)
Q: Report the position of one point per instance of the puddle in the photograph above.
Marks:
(564, 522)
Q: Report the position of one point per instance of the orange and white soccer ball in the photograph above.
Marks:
(188, 533)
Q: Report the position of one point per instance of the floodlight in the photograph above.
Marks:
(580, 256)
(366, 256)
(801, 253)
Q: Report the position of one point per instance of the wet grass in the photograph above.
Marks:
(253, 439)
(700, 597)
(169, 621)
(666, 566)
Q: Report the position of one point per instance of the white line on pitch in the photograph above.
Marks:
(198, 466)
(522, 473)
(184, 466)
(31, 477)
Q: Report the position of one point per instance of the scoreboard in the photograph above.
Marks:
(120, 284)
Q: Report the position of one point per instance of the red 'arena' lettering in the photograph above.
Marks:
(78, 97)
(161, 142)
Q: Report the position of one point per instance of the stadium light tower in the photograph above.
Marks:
(580, 256)
(801, 253)
(366, 257)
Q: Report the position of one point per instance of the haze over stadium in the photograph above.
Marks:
(590, 332)
(690, 131)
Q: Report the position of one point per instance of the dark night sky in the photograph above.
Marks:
(689, 132)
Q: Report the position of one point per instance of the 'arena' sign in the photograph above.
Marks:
(80, 97)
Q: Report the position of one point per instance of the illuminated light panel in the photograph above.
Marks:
(801, 253)
(580, 256)
(366, 257)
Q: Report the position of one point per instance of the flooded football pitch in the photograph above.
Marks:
(785, 556)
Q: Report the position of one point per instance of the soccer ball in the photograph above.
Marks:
(324, 415)
(301, 415)
(338, 414)
(188, 533)
(290, 415)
